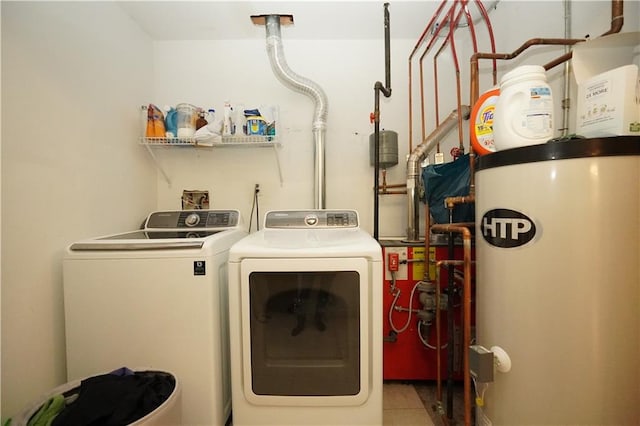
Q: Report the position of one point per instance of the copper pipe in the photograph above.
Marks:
(472, 30)
(438, 345)
(617, 17)
(474, 43)
(413, 169)
(492, 40)
(410, 107)
(439, 265)
(466, 306)
(415, 49)
(427, 241)
(474, 75)
(617, 21)
(423, 125)
(453, 23)
(436, 97)
(384, 179)
(434, 36)
(450, 202)
(386, 192)
(458, 96)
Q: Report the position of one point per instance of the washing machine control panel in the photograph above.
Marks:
(195, 219)
(308, 219)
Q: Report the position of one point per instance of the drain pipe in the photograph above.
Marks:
(413, 168)
(305, 86)
(375, 117)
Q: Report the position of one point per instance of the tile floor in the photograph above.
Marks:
(403, 407)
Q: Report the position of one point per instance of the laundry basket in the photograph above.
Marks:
(160, 390)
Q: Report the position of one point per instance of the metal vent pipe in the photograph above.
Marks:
(414, 168)
(309, 88)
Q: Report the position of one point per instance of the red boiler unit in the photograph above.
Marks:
(409, 309)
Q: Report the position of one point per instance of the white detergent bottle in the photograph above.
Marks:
(227, 123)
(524, 111)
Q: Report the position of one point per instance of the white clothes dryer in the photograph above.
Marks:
(157, 298)
(305, 297)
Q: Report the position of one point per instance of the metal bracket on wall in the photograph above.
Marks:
(230, 142)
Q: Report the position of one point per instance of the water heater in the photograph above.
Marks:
(558, 281)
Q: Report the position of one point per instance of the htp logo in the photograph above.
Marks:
(507, 228)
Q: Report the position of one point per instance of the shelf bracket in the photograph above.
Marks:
(158, 165)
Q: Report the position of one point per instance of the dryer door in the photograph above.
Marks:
(306, 331)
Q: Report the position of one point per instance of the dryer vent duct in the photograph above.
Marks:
(304, 86)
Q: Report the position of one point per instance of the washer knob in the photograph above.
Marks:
(192, 220)
(311, 220)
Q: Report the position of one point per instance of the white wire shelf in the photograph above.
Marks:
(226, 141)
(248, 141)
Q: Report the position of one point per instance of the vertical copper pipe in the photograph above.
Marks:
(439, 264)
(466, 306)
(617, 21)
(449, 40)
(458, 93)
(472, 29)
(492, 40)
(410, 107)
(430, 44)
(423, 125)
(413, 52)
(435, 96)
(438, 340)
(427, 241)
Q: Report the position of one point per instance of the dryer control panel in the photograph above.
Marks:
(306, 219)
(194, 219)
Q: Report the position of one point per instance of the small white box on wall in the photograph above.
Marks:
(608, 99)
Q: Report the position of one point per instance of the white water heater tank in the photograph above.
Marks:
(558, 281)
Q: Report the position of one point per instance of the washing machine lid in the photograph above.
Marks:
(144, 240)
(163, 230)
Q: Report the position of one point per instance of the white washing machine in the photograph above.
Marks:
(305, 297)
(157, 298)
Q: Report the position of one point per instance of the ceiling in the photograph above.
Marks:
(322, 20)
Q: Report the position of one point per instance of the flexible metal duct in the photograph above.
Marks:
(414, 169)
(309, 88)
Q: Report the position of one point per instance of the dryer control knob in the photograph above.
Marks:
(192, 220)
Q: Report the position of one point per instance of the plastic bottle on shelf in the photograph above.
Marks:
(155, 122)
(201, 121)
(239, 120)
(524, 110)
(256, 124)
(149, 130)
(227, 124)
(211, 116)
(171, 121)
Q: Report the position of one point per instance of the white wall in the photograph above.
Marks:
(71, 168)
(206, 73)
(346, 70)
(73, 78)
